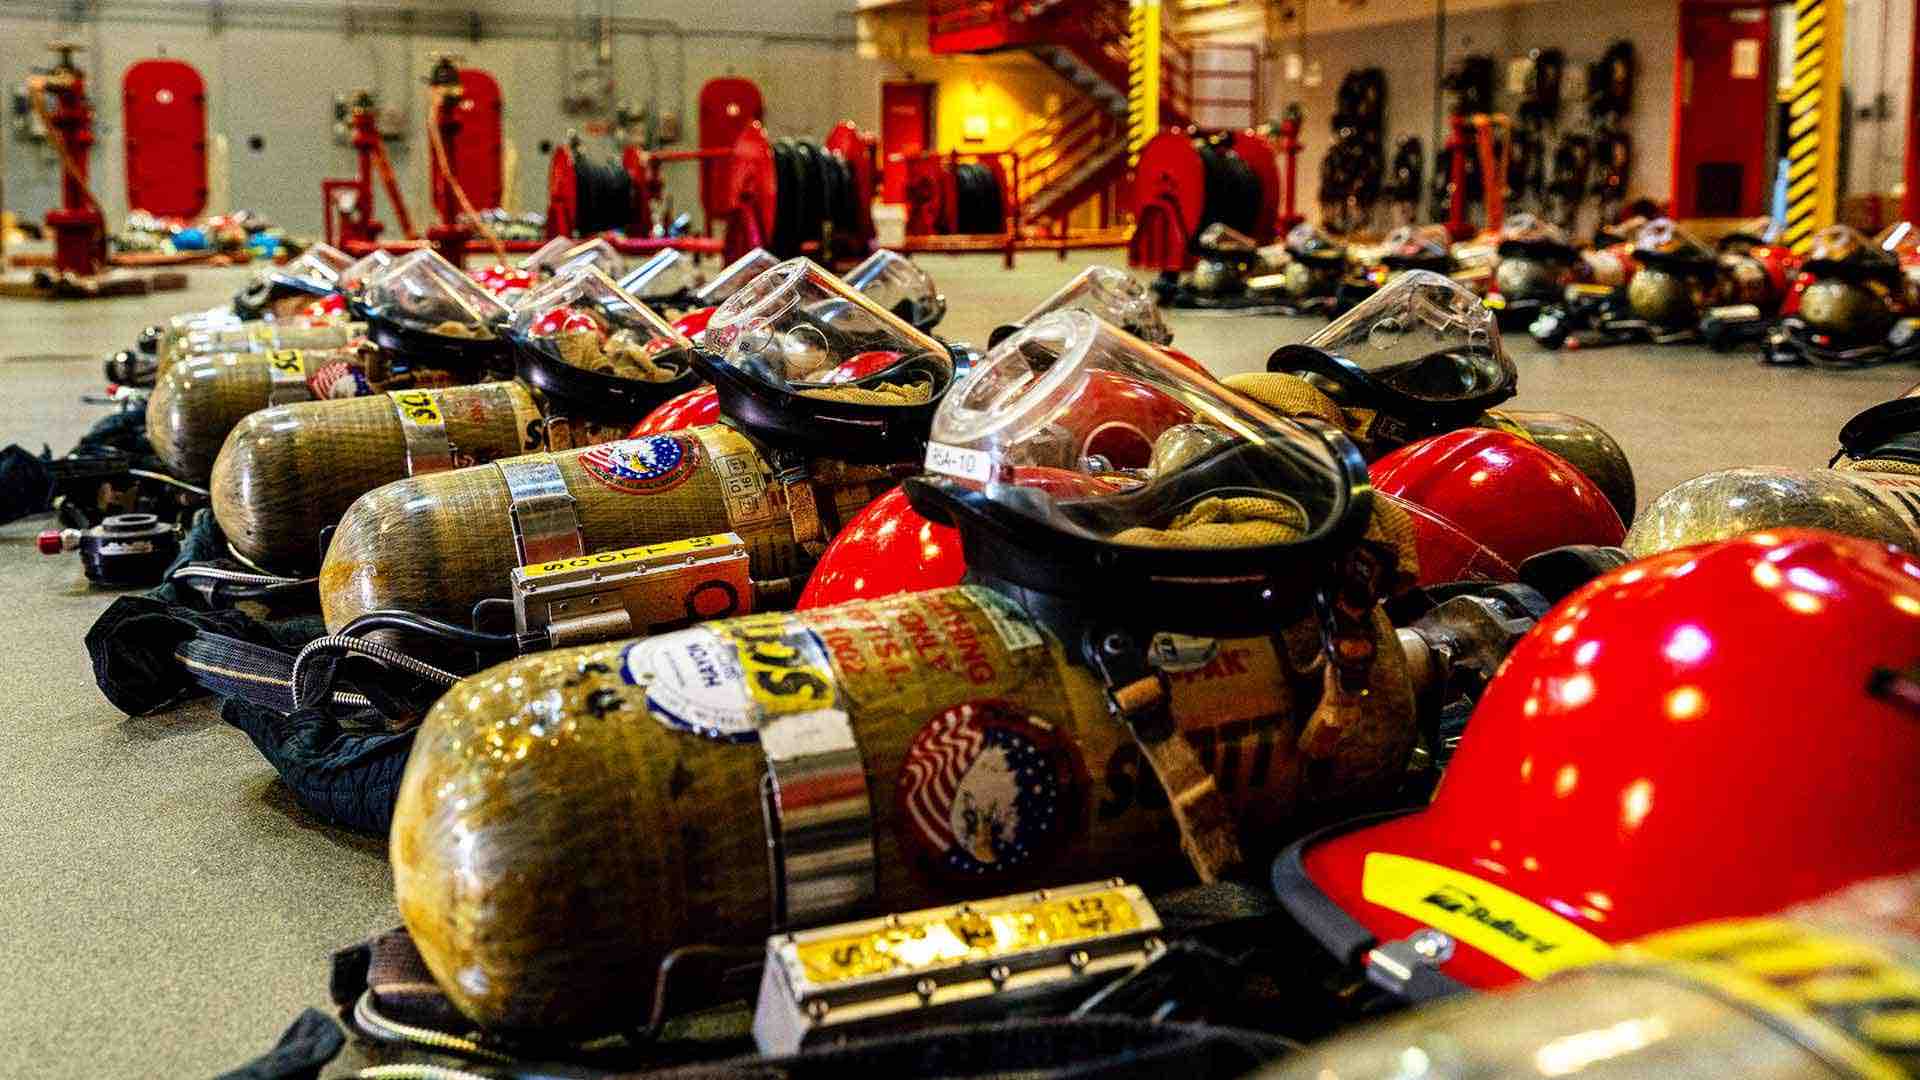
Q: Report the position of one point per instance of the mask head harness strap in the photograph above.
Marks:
(1140, 696)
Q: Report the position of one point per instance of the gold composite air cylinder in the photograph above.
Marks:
(569, 818)
(1876, 505)
(185, 340)
(197, 400)
(290, 471)
(436, 545)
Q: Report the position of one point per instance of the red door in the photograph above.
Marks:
(728, 106)
(164, 113)
(906, 127)
(477, 154)
(1721, 111)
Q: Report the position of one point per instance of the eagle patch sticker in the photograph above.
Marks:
(986, 791)
(643, 466)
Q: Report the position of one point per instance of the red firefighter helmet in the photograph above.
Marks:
(1690, 737)
(505, 281)
(694, 408)
(1447, 553)
(694, 323)
(888, 547)
(884, 549)
(1509, 494)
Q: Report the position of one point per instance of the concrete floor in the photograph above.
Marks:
(168, 909)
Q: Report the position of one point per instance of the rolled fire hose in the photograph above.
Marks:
(569, 818)
(438, 544)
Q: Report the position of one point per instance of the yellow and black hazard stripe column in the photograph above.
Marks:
(1813, 119)
(1143, 75)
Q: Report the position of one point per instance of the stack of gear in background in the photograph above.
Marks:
(1678, 290)
(1353, 171)
(1536, 264)
(1856, 302)
(576, 362)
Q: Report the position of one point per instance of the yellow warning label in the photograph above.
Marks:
(784, 664)
(417, 406)
(288, 362)
(1506, 926)
(601, 559)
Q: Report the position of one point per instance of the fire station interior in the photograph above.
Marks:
(1286, 538)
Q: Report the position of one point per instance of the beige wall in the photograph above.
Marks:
(275, 75)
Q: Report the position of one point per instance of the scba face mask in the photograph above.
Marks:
(805, 360)
(1424, 350)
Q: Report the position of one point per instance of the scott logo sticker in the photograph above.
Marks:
(986, 790)
(725, 680)
(643, 466)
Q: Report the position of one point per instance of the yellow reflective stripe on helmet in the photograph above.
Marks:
(1506, 926)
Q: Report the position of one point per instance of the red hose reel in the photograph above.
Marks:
(752, 194)
(940, 203)
(1168, 194)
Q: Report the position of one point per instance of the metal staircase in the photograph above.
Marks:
(1081, 153)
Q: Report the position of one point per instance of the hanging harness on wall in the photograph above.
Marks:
(1610, 82)
(1539, 116)
(1567, 186)
(1353, 168)
(1402, 186)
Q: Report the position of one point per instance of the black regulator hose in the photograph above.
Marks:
(425, 626)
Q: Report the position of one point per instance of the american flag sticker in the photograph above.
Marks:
(987, 790)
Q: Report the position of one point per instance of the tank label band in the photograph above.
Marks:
(287, 377)
(423, 423)
(727, 680)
